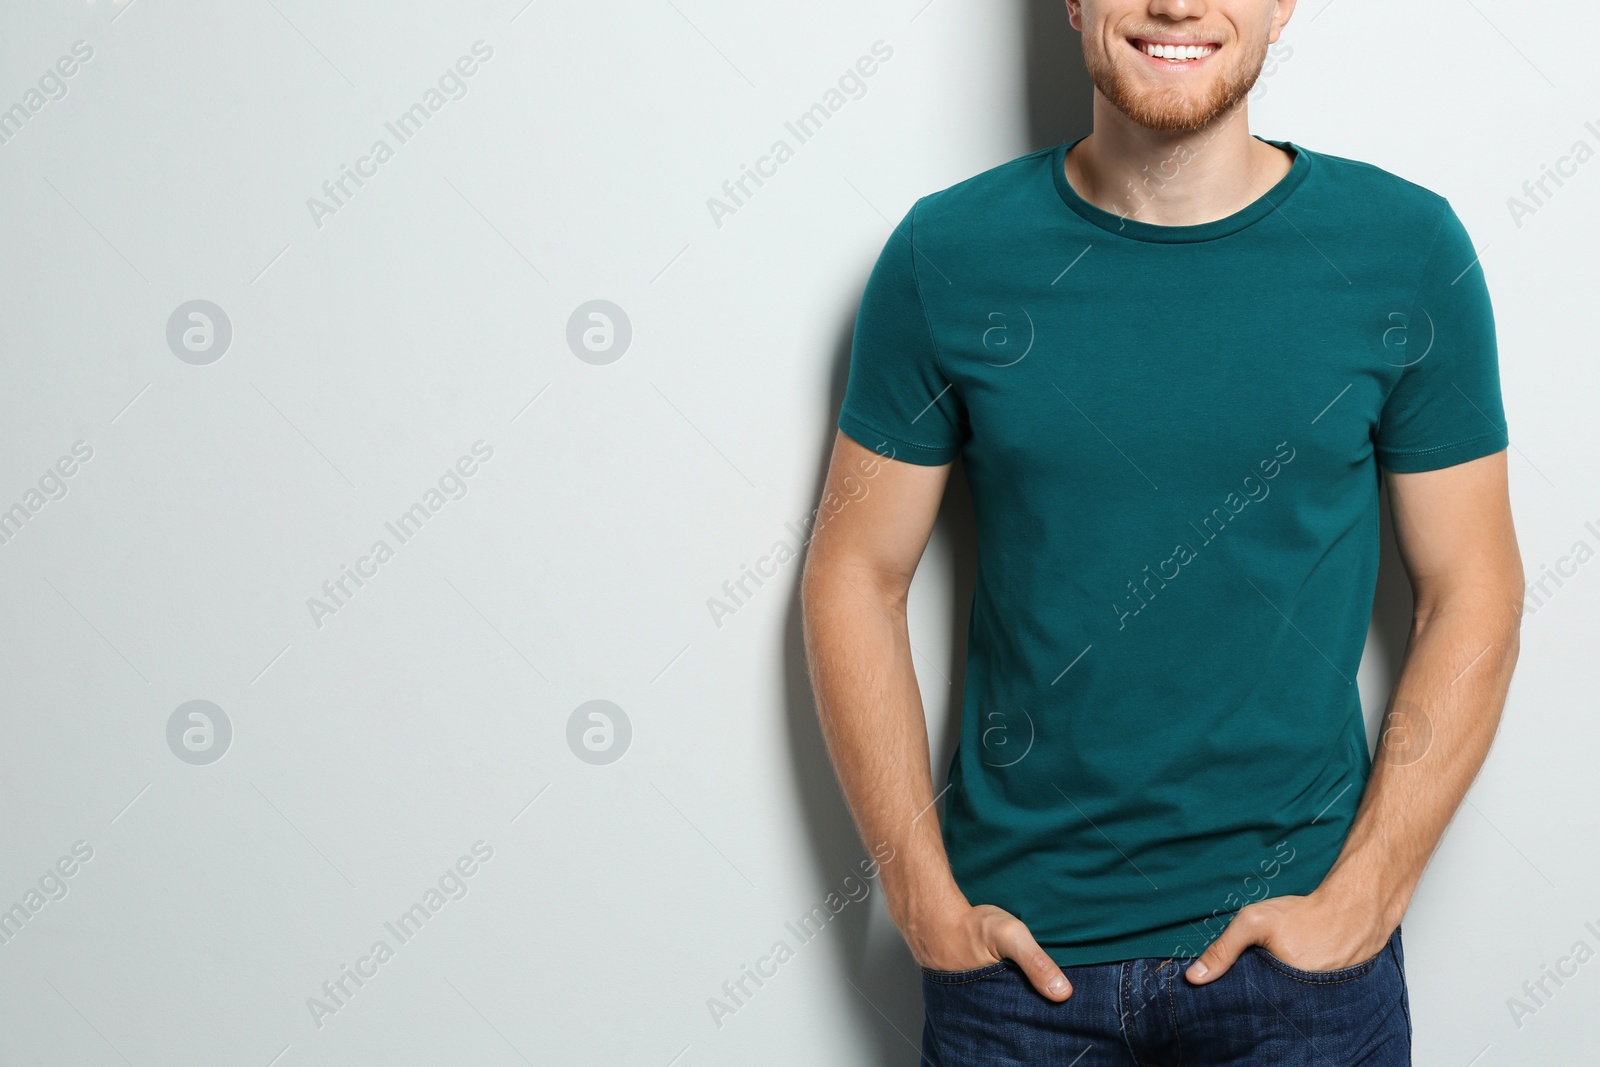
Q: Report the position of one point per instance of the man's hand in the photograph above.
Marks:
(1453, 528)
(962, 937)
(879, 514)
(1314, 933)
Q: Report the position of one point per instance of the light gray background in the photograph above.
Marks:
(431, 711)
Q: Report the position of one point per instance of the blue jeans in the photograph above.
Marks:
(1144, 1013)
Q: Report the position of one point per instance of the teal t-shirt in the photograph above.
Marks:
(1172, 436)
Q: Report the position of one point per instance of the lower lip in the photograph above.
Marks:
(1169, 64)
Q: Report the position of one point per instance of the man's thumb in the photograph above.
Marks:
(1215, 961)
(1036, 963)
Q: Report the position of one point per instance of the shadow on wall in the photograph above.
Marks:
(877, 973)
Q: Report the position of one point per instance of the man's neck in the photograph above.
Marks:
(1173, 179)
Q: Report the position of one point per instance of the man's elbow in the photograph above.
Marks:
(1489, 599)
(830, 581)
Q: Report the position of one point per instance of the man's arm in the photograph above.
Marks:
(857, 575)
(1454, 530)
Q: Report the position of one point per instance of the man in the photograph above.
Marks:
(1175, 358)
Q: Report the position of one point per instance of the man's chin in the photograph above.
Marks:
(1170, 109)
(1165, 118)
(1173, 112)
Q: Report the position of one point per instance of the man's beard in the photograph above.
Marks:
(1172, 110)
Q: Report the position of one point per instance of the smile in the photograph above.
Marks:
(1174, 53)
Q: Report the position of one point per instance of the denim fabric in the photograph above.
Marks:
(1144, 1013)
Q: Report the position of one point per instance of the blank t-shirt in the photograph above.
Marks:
(1172, 436)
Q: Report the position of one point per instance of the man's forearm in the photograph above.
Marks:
(872, 720)
(1435, 736)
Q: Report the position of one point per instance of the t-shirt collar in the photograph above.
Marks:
(1138, 230)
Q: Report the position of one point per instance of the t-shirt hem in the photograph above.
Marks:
(1414, 460)
(1118, 950)
(869, 436)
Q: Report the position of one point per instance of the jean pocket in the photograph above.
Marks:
(970, 975)
(1343, 974)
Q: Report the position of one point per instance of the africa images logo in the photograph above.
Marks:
(1005, 336)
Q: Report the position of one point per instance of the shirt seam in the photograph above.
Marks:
(1422, 277)
(1440, 448)
(875, 428)
(922, 301)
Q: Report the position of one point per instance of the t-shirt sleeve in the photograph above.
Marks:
(898, 401)
(1445, 408)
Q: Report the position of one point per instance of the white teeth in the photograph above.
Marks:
(1178, 52)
